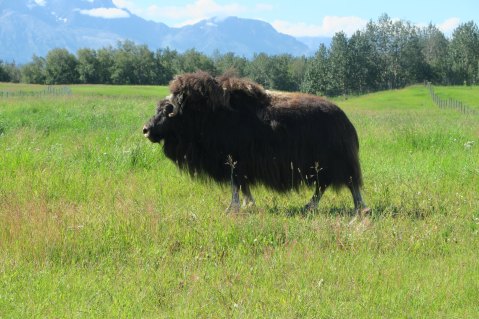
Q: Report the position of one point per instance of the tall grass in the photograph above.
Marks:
(96, 222)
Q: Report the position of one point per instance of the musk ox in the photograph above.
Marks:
(232, 130)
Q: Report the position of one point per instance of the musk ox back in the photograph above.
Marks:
(232, 130)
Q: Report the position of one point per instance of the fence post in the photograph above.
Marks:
(449, 103)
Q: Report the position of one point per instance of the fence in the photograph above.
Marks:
(49, 90)
(449, 103)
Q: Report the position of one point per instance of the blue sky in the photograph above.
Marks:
(308, 18)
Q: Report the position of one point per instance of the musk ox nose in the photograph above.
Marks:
(146, 131)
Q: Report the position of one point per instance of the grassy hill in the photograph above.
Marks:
(469, 95)
(96, 222)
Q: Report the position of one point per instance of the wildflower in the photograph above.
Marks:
(468, 144)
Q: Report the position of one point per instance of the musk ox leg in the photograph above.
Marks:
(359, 206)
(248, 199)
(234, 206)
(313, 203)
(235, 187)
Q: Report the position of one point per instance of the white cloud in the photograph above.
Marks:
(41, 3)
(125, 4)
(106, 13)
(449, 25)
(329, 26)
(189, 13)
(197, 11)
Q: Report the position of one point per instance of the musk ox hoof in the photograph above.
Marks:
(312, 205)
(360, 225)
(233, 208)
(361, 214)
(248, 204)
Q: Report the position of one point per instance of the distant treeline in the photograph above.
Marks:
(386, 54)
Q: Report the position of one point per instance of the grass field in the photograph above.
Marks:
(468, 95)
(96, 222)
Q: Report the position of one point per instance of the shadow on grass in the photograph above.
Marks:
(293, 211)
(395, 211)
(378, 211)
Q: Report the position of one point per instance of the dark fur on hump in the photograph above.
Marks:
(279, 140)
(199, 86)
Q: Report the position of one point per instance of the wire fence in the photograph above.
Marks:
(49, 90)
(449, 103)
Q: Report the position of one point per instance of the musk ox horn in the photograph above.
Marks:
(177, 105)
(176, 110)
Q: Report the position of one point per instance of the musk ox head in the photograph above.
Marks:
(192, 95)
(162, 123)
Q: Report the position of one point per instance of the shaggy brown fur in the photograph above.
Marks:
(281, 140)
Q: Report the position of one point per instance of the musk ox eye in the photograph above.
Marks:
(164, 108)
(168, 109)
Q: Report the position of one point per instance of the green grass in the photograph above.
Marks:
(20, 87)
(468, 95)
(120, 90)
(96, 222)
(93, 90)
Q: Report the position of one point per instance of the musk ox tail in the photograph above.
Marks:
(346, 171)
(352, 154)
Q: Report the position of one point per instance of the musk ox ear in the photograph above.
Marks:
(178, 87)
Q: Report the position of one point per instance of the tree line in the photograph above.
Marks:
(386, 54)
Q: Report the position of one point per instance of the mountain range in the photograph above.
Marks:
(29, 27)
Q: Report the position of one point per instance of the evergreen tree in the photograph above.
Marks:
(435, 48)
(4, 77)
(363, 70)
(316, 76)
(464, 53)
(338, 66)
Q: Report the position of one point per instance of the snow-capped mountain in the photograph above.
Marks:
(30, 27)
